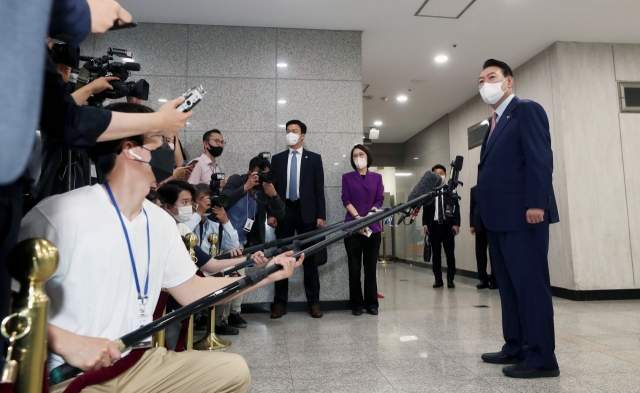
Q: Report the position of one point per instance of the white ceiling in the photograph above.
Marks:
(398, 46)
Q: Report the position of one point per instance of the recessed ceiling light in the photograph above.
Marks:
(402, 98)
(282, 101)
(377, 123)
(344, 155)
(188, 123)
(408, 338)
(442, 59)
(282, 126)
(336, 163)
(282, 65)
(162, 100)
(403, 174)
(415, 158)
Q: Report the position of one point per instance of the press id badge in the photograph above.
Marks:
(248, 225)
(137, 323)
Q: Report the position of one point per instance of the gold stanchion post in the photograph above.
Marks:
(31, 262)
(191, 241)
(211, 342)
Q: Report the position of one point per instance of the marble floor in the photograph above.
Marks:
(427, 340)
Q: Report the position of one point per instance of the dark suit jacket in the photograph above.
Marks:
(312, 203)
(475, 220)
(429, 211)
(515, 170)
(234, 190)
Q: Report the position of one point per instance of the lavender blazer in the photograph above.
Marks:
(363, 194)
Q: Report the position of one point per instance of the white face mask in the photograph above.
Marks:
(292, 139)
(360, 162)
(492, 92)
(443, 178)
(184, 214)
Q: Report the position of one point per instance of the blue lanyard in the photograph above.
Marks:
(142, 299)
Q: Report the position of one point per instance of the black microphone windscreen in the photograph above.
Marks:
(132, 66)
(428, 182)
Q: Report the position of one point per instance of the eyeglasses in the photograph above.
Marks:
(218, 142)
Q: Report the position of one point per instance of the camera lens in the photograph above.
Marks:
(188, 103)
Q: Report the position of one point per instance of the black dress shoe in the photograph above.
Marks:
(493, 286)
(372, 311)
(237, 321)
(357, 313)
(498, 358)
(482, 285)
(521, 370)
(225, 330)
(438, 284)
(450, 284)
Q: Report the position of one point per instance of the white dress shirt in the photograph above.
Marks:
(299, 158)
(503, 107)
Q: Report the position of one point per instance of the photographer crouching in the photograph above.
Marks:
(251, 198)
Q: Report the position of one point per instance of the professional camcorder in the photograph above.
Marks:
(117, 62)
(214, 185)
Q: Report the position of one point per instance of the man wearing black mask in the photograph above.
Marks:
(207, 163)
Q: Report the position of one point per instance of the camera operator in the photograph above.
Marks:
(251, 199)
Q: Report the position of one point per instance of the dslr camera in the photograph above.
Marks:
(264, 176)
(119, 63)
(216, 198)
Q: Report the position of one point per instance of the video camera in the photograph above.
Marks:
(265, 176)
(119, 63)
(451, 195)
(214, 185)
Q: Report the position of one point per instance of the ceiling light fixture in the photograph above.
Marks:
(402, 98)
(377, 123)
(415, 158)
(403, 174)
(442, 59)
(282, 65)
(162, 100)
(282, 101)
(282, 126)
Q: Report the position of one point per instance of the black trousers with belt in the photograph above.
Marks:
(292, 225)
(482, 246)
(363, 251)
(441, 235)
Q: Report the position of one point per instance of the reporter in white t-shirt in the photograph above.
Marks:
(94, 291)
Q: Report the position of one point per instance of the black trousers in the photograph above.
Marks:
(292, 225)
(482, 246)
(11, 199)
(363, 251)
(442, 235)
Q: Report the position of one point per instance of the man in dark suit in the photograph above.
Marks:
(517, 204)
(301, 184)
(482, 243)
(442, 231)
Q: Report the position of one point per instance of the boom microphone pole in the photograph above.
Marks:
(311, 238)
(282, 242)
(66, 371)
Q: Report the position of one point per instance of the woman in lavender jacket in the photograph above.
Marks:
(362, 192)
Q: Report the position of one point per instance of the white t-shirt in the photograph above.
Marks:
(93, 292)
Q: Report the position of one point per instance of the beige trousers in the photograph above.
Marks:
(160, 370)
